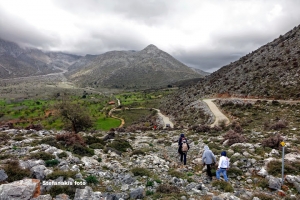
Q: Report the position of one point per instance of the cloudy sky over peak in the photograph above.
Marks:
(205, 34)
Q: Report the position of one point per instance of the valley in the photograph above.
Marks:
(112, 121)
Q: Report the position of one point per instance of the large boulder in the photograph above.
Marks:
(137, 193)
(38, 172)
(275, 183)
(21, 190)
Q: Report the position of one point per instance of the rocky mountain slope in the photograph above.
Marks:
(147, 68)
(23, 62)
(143, 165)
(272, 71)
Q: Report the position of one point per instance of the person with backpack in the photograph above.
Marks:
(183, 148)
(208, 159)
(223, 166)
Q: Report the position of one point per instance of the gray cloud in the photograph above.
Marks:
(201, 34)
(15, 29)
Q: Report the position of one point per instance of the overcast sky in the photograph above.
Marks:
(205, 34)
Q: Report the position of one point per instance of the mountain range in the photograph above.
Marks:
(148, 68)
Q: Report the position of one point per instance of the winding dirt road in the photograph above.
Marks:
(219, 116)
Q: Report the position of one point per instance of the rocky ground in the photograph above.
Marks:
(148, 169)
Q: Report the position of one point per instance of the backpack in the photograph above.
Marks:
(184, 146)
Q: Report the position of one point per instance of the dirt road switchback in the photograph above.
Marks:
(219, 116)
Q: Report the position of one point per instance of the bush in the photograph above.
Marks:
(120, 145)
(234, 172)
(92, 139)
(82, 150)
(92, 179)
(66, 174)
(233, 137)
(281, 124)
(36, 127)
(42, 155)
(149, 183)
(48, 140)
(263, 183)
(274, 168)
(70, 139)
(51, 163)
(62, 155)
(15, 172)
(4, 138)
(272, 141)
(176, 174)
(57, 189)
(138, 171)
(223, 186)
(167, 189)
(96, 146)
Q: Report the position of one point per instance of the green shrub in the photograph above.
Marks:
(138, 171)
(149, 183)
(50, 141)
(120, 145)
(62, 155)
(57, 189)
(177, 174)
(82, 150)
(15, 172)
(149, 192)
(223, 186)
(92, 179)
(96, 146)
(263, 183)
(58, 173)
(99, 159)
(92, 139)
(157, 180)
(274, 168)
(137, 152)
(51, 163)
(234, 171)
(42, 155)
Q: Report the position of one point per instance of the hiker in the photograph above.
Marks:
(208, 159)
(183, 149)
(223, 166)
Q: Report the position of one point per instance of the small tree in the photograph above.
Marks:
(75, 114)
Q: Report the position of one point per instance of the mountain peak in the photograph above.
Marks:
(151, 46)
(151, 49)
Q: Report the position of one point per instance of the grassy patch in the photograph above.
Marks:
(42, 155)
(103, 123)
(15, 172)
(51, 163)
(225, 186)
(138, 171)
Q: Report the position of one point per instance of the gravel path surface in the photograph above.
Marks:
(219, 116)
